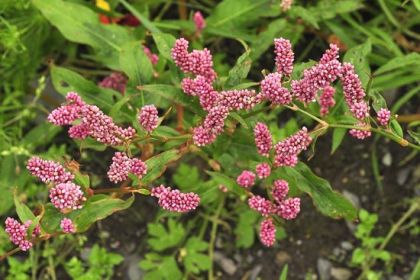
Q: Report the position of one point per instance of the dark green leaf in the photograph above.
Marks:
(157, 165)
(135, 63)
(164, 42)
(23, 211)
(337, 138)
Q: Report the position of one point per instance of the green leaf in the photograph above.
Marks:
(228, 182)
(8, 174)
(378, 100)
(306, 15)
(244, 231)
(358, 256)
(164, 43)
(240, 70)
(135, 63)
(327, 201)
(284, 271)
(358, 57)
(161, 238)
(337, 138)
(23, 211)
(265, 39)
(407, 62)
(39, 135)
(415, 275)
(157, 165)
(415, 135)
(82, 180)
(160, 267)
(80, 24)
(96, 208)
(196, 258)
(143, 19)
(396, 128)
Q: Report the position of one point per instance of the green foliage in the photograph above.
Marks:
(18, 270)
(162, 238)
(100, 265)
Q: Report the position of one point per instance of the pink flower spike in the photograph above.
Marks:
(246, 179)
(199, 22)
(280, 190)
(263, 139)
(154, 58)
(359, 133)
(18, 233)
(267, 232)
(116, 81)
(48, 171)
(289, 208)
(261, 205)
(215, 119)
(239, 99)
(360, 110)
(330, 54)
(203, 136)
(138, 167)
(148, 117)
(288, 149)
(326, 100)
(67, 226)
(174, 200)
(263, 170)
(67, 196)
(273, 91)
(120, 167)
(284, 56)
(383, 116)
(286, 5)
(79, 131)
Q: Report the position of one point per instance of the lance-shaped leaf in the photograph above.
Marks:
(135, 63)
(327, 201)
(240, 70)
(23, 211)
(157, 165)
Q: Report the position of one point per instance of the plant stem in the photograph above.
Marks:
(213, 236)
(296, 108)
(10, 253)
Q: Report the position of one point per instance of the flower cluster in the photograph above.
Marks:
(199, 22)
(67, 197)
(286, 208)
(116, 81)
(267, 232)
(48, 171)
(383, 116)
(263, 170)
(122, 165)
(148, 117)
(286, 5)
(93, 122)
(67, 226)
(273, 91)
(326, 100)
(246, 179)
(284, 56)
(287, 151)
(174, 200)
(263, 139)
(18, 233)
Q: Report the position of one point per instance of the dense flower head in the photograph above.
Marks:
(246, 179)
(267, 232)
(286, 5)
(314, 79)
(116, 81)
(215, 119)
(67, 226)
(79, 131)
(18, 233)
(289, 209)
(199, 22)
(67, 196)
(148, 117)
(383, 116)
(273, 91)
(202, 88)
(203, 136)
(326, 100)
(284, 56)
(360, 133)
(263, 139)
(103, 129)
(261, 205)
(154, 58)
(138, 167)
(263, 170)
(69, 112)
(360, 110)
(198, 62)
(286, 151)
(36, 231)
(331, 54)
(243, 99)
(48, 171)
(280, 190)
(120, 167)
(174, 200)
(352, 86)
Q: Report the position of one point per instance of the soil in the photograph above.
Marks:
(311, 236)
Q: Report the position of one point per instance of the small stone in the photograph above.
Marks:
(402, 176)
(362, 172)
(339, 273)
(282, 258)
(255, 271)
(133, 270)
(225, 263)
(387, 159)
(298, 242)
(324, 269)
(352, 197)
(346, 245)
